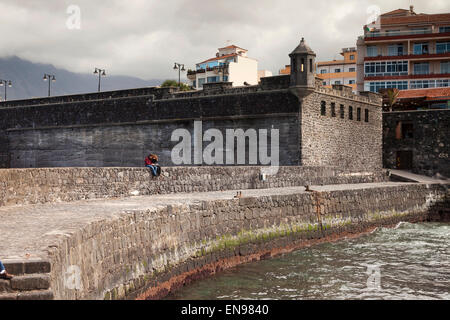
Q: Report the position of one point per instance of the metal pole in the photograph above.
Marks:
(5, 91)
(99, 77)
(179, 76)
(49, 81)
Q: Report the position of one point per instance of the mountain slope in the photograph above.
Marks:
(27, 80)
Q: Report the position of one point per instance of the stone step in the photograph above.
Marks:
(27, 282)
(28, 295)
(32, 266)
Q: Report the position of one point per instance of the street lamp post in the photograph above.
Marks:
(100, 72)
(180, 68)
(50, 78)
(6, 83)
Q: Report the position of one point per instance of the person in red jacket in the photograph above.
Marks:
(151, 161)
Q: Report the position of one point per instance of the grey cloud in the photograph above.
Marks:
(143, 38)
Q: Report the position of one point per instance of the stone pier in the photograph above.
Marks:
(146, 246)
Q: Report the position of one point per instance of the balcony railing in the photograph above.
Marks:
(396, 33)
(216, 69)
(410, 55)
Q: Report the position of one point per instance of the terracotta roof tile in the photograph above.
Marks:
(395, 12)
(419, 18)
(219, 58)
(232, 47)
(428, 94)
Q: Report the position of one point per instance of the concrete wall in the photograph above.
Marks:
(429, 143)
(244, 70)
(30, 186)
(148, 254)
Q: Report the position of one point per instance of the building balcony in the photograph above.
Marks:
(407, 77)
(386, 36)
(216, 70)
(337, 75)
(428, 56)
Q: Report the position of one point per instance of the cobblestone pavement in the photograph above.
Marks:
(27, 231)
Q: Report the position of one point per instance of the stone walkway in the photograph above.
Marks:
(416, 177)
(27, 231)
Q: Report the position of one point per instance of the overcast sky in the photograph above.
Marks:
(144, 37)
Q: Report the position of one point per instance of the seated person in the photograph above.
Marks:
(3, 273)
(151, 161)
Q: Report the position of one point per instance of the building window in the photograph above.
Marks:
(372, 51)
(213, 79)
(376, 86)
(421, 68)
(404, 130)
(323, 71)
(323, 108)
(333, 109)
(225, 78)
(324, 83)
(194, 84)
(352, 57)
(389, 68)
(350, 113)
(442, 83)
(445, 67)
(351, 81)
(395, 50)
(442, 47)
(337, 70)
(342, 111)
(423, 84)
(201, 81)
(444, 29)
(351, 69)
(421, 48)
(358, 114)
(337, 82)
(366, 115)
(311, 66)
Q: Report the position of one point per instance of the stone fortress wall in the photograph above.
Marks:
(50, 185)
(120, 128)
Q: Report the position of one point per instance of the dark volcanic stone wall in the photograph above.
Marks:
(121, 131)
(428, 141)
(128, 145)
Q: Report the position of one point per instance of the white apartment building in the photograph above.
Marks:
(231, 64)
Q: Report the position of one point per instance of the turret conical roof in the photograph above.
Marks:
(303, 48)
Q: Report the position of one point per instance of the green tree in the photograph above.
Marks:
(392, 95)
(173, 83)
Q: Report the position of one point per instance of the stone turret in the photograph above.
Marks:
(302, 66)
